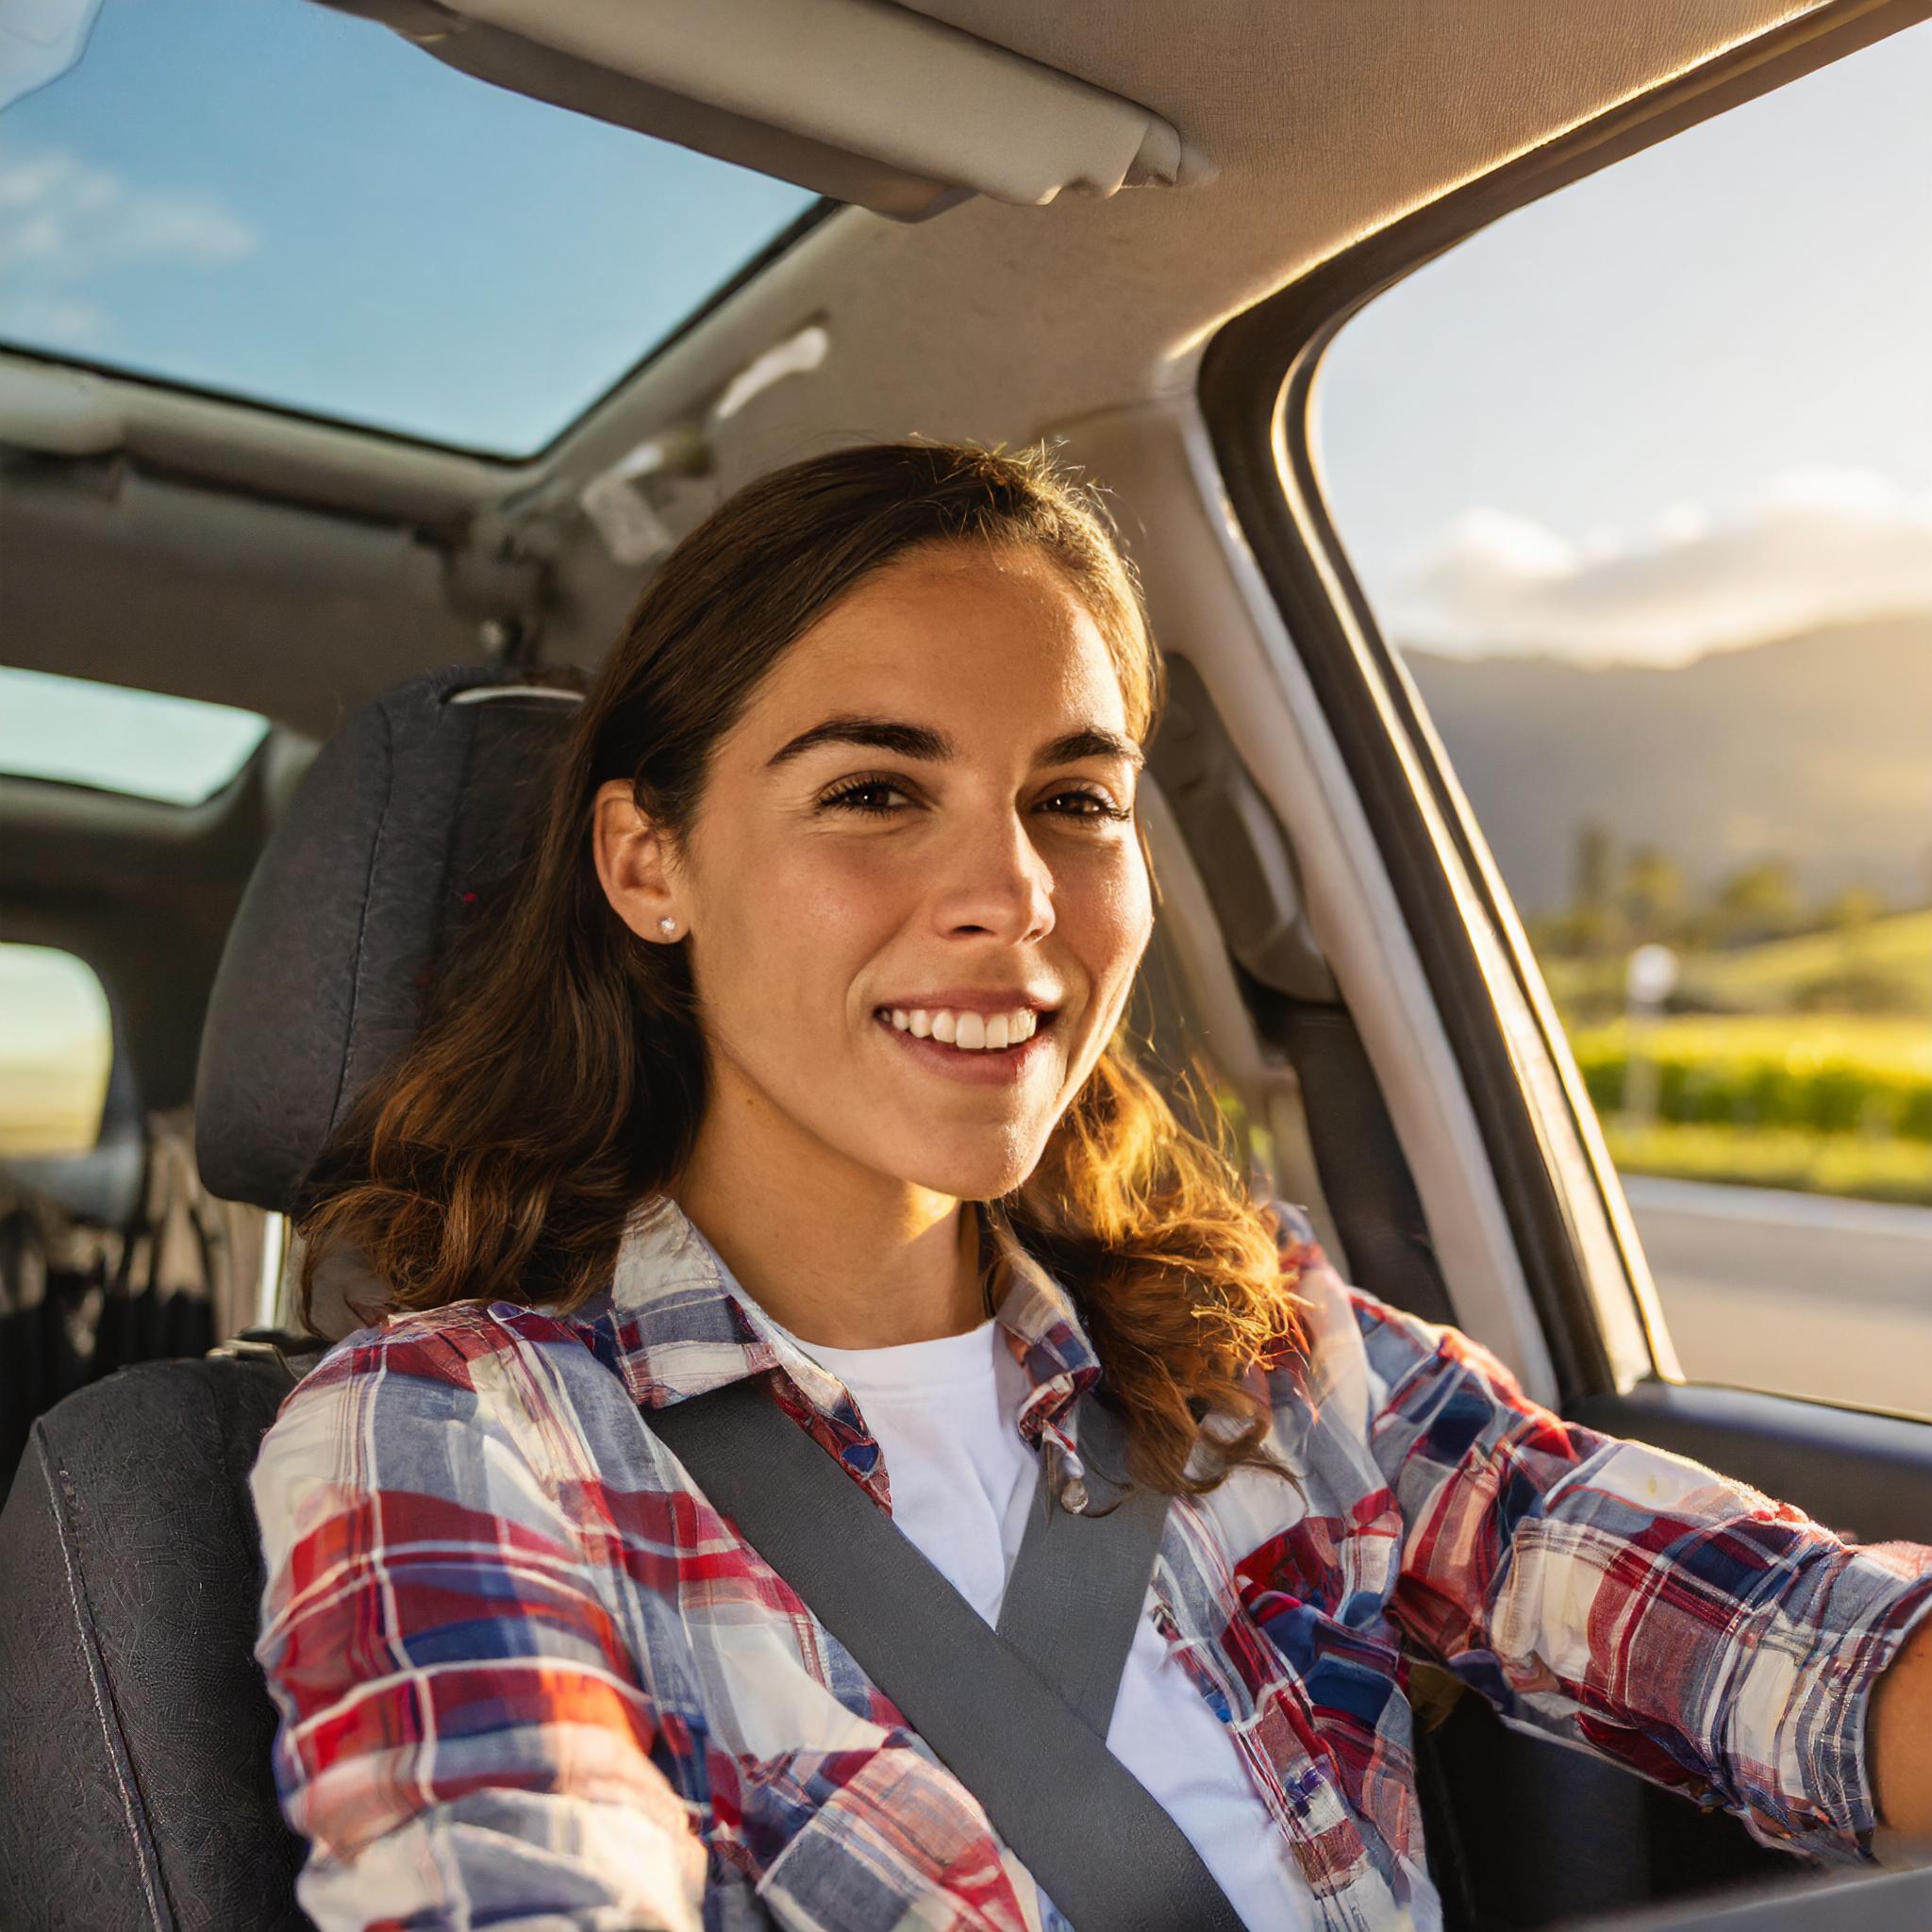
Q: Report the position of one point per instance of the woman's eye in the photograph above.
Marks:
(882, 797)
(875, 795)
(1087, 805)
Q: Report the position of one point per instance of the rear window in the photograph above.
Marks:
(76, 732)
(57, 1045)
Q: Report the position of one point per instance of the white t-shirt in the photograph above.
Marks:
(945, 1415)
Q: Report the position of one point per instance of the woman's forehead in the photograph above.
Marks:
(951, 630)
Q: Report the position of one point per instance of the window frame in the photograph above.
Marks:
(1586, 1274)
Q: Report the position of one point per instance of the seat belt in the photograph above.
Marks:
(1073, 1603)
(1019, 1716)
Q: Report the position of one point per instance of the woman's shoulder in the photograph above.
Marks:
(456, 1344)
(1360, 1356)
(1353, 1347)
(489, 1369)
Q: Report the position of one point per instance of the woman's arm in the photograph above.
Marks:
(1633, 1601)
(464, 1738)
(1901, 1742)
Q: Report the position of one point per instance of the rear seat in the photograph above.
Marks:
(110, 1257)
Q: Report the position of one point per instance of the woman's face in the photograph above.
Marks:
(918, 839)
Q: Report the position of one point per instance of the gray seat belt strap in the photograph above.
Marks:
(1072, 1603)
(1097, 1844)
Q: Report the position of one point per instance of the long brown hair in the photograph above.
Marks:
(498, 1159)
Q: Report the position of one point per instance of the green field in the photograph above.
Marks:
(1890, 960)
(1775, 1090)
(1847, 1165)
(1896, 950)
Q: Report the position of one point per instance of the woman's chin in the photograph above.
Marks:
(977, 1168)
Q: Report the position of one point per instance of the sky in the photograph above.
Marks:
(1681, 400)
(272, 197)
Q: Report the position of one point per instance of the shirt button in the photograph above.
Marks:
(1073, 1496)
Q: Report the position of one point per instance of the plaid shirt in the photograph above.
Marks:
(529, 1677)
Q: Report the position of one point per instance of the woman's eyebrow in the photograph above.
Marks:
(920, 742)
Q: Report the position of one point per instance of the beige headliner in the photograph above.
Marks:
(1325, 119)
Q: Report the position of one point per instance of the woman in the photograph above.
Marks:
(797, 1057)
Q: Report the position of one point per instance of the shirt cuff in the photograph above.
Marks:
(1887, 1590)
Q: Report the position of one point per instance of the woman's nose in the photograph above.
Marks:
(995, 880)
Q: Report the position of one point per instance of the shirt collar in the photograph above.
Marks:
(682, 1325)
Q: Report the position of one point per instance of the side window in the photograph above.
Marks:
(57, 1047)
(1639, 483)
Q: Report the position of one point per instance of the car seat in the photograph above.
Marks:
(136, 1788)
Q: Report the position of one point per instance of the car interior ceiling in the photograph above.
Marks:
(199, 546)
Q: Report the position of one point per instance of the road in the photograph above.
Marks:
(1793, 1292)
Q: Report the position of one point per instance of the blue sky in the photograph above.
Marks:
(272, 197)
(1688, 347)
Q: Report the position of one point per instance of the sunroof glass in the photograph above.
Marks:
(78, 732)
(271, 199)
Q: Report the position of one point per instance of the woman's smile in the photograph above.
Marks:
(988, 1051)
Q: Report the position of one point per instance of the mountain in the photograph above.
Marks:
(1814, 747)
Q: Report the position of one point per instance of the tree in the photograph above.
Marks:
(1651, 894)
(1852, 910)
(1758, 902)
(1596, 855)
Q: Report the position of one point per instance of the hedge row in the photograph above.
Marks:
(1828, 1094)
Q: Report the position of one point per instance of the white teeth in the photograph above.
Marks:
(969, 1032)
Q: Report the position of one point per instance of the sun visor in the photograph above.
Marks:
(862, 100)
(55, 412)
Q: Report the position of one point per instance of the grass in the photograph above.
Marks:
(1764, 1094)
(1844, 1164)
(1895, 950)
(1801, 1043)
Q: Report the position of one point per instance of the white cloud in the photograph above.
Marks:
(1813, 547)
(64, 220)
(69, 320)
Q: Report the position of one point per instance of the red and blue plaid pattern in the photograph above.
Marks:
(528, 1678)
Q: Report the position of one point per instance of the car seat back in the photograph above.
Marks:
(135, 1788)
(136, 1784)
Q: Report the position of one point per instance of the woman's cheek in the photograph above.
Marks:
(1124, 919)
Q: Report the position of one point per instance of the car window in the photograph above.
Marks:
(57, 1047)
(104, 736)
(272, 199)
(1639, 483)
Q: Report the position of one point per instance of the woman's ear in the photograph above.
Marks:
(634, 865)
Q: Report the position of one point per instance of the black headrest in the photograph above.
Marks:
(416, 809)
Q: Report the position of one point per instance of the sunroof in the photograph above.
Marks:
(271, 199)
(138, 742)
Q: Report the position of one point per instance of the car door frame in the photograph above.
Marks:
(1552, 1171)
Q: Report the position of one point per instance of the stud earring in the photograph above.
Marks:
(667, 927)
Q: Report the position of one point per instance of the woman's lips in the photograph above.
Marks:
(1001, 1066)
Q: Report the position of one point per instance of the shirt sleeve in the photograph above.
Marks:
(1619, 1597)
(464, 1738)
